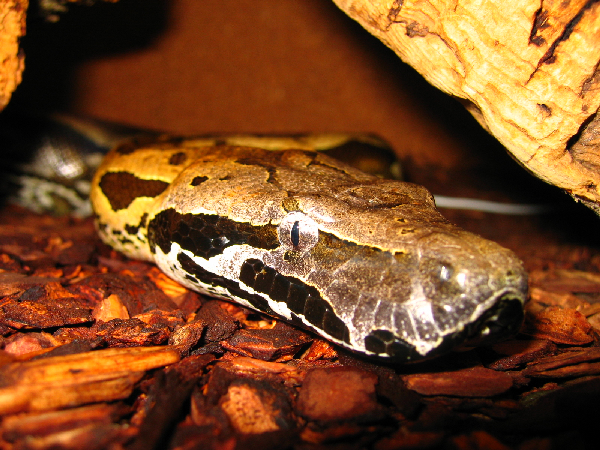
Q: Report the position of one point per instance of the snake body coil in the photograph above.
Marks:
(365, 262)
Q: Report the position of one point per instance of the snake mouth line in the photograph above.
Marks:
(499, 322)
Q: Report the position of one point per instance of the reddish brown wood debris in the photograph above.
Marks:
(99, 352)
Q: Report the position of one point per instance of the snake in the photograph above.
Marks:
(365, 262)
(280, 227)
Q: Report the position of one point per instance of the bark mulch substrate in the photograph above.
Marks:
(102, 352)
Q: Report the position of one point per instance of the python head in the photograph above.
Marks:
(365, 262)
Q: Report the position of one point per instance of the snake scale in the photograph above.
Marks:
(365, 262)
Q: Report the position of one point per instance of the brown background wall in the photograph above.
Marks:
(189, 66)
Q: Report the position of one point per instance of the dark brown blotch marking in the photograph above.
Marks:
(194, 273)
(177, 158)
(126, 148)
(122, 188)
(300, 298)
(207, 235)
(133, 229)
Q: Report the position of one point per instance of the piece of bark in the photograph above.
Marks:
(540, 300)
(574, 363)
(264, 370)
(131, 332)
(71, 348)
(171, 389)
(41, 312)
(392, 388)
(220, 325)
(138, 294)
(336, 394)
(73, 380)
(320, 349)
(471, 382)
(280, 342)
(31, 425)
(22, 344)
(256, 407)
(110, 308)
(565, 280)
(521, 352)
(528, 72)
(187, 336)
(562, 326)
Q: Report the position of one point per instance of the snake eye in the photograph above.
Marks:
(295, 234)
(298, 232)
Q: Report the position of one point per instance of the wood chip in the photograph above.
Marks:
(33, 310)
(337, 394)
(220, 325)
(568, 364)
(562, 326)
(561, 280)
(53, 383)
(31, 425)
(254, 407)
(471, 382)
(110, 308)
(282, 341)
(320, 349)
(521, 352)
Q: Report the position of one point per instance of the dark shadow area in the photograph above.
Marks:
(53, 49)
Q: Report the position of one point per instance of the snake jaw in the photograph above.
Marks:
(499, 323)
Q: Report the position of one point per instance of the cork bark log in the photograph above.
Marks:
(527, 70)
(12, 27)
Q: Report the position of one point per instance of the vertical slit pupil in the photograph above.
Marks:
(295, 234)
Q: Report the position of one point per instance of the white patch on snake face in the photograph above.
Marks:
(419, 310)
(228, 265)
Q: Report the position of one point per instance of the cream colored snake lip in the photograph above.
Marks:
(365, 262)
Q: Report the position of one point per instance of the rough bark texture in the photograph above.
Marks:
(527, 70)
(12, 63)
